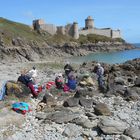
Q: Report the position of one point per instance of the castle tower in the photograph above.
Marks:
(61, 30)
(75, 30)
(37, 23)
(89, 22)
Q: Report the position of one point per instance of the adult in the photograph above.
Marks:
(59, 81)
(33, 74)
(100, 73)
(68, 68)
(72, 82)
(27, 80)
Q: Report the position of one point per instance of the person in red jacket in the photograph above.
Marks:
(59, 81)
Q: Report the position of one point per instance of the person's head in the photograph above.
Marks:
(98, 65)
(60, 75)
(67, 62)
(34, 67)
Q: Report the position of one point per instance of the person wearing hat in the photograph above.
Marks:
(100, 73)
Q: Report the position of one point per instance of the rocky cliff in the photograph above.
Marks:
(18, 42)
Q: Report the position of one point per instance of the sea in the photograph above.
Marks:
(109, 57)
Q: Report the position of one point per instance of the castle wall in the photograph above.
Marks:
(105, 32)
(50, 28)
(116, 34)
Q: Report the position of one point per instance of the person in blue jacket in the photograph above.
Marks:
(72, 82)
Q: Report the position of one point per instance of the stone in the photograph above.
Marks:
(137, 82)
(72, 130)
(133, 133)
(8, 117)
(62, 116)
(123, 116)
(110, 126)
(84, 122)
(87, 103)
(119, 80)
(49, 100)
(131, 95)
(71, 102)
(83, 92)
(102, 109)
(40, 115)
(124, 137)
(18, 90)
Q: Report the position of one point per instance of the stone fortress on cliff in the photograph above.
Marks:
(73, 29)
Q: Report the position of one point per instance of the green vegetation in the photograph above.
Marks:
(93, 38)
(10, 30)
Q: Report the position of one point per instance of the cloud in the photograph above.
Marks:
(29, 14)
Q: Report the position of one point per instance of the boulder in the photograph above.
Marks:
(84, 122)
(10, 117)
(131, 95)
(87, 103)
(133, 133)
(102, 109)
(71, 102)
(83, 92)
(18, 90)
(63, 116)
(72, 130)
(110, 126)
(124, 137)
(119, 80)
(49, 100)
(137, 82)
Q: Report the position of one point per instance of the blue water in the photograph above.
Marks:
(109, 57)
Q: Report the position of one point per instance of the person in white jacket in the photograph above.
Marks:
(33, 73)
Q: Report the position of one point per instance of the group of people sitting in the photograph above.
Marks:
(66, 82)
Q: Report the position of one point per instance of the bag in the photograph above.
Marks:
(21, 107)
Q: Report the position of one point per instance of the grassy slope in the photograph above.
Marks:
(10, 30)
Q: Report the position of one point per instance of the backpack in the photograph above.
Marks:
(21, 107)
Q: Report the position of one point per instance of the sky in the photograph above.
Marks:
(116, 14)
